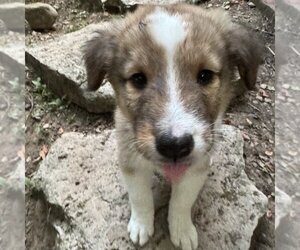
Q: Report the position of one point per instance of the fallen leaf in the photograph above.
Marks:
(246, 137)
(259, 98)
(268, 100)
(263, 86)
(43, 152)
(47, 125)
(249, 121)
(263, 93)
(268, 153)
(60, 131)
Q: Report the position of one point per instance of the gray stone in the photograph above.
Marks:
(120, 6)
(59, 64)
(13, 15)
(40, 16)
(251, 4)
(12, 57)
(81, 180)
(283, 205)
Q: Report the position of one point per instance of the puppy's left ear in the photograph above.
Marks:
(246, 53)
(99, 53)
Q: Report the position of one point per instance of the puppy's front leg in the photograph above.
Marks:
(139, 184)
(184, 193)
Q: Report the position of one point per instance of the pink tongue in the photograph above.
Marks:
(174, 171)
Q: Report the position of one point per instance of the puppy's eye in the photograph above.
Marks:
(205, 77)
(139, 80)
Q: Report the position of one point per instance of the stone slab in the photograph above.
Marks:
(13, 58)
(60, 65)
(80, 178)
(13, 15)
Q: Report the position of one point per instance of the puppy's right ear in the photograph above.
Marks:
(98, 56)
(246, 51)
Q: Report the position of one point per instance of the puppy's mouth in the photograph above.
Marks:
(174, 171)
(174, 155)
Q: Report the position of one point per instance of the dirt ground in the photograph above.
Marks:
(48, 116)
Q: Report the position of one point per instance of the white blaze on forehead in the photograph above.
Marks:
(169, 31)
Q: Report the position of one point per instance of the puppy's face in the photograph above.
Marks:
(171, 68)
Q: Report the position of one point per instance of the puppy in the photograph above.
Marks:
(171, 68)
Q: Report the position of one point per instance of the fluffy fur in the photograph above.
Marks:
(170, 45)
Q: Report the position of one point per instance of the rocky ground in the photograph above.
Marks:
(48, 116)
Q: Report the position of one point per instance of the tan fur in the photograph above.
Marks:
(213, 42)
(145, 136)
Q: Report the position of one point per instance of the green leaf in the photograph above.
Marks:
(15, 84)
(28, 183)
(38, 86)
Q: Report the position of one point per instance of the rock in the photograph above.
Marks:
(283, 205)
(40, 16)
(59, 64)
(120, 6)
(90, 210)
(12, 57)
(251, 4)
(12, 206)
(13, 15)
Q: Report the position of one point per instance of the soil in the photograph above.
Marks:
(48, 116)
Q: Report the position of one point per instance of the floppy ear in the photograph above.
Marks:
(98, 56)
(246, 52)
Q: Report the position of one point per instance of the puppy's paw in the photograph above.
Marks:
(140, 229)
(183, 234)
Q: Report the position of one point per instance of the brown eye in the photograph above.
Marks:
(205, 77)
(139, 80)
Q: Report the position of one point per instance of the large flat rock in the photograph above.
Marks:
(60, 65)
(90, 210)
(13, 15)
(12, 57)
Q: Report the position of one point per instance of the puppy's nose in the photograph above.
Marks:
(173, 147)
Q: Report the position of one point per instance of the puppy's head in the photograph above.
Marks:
(171, 68)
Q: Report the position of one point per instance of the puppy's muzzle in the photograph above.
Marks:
(174, 148)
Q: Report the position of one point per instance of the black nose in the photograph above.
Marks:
(174, 147)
